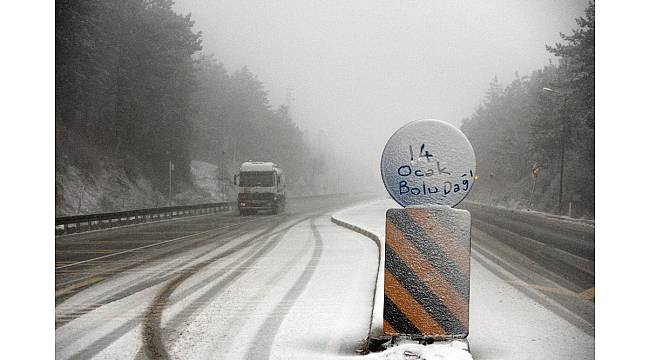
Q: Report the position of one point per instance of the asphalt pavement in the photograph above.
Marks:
(292, 285)
(295, 285)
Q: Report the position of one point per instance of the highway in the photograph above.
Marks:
(295, 285)
(216, 286)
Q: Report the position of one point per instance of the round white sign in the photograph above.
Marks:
(428, 162)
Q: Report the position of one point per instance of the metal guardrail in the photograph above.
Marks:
(80, 223)
(573, 237)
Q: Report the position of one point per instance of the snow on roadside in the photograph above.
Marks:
(112, 189)
(448, 350)
(206, 177)
(369, 216)
(364, 216)
(582, 221)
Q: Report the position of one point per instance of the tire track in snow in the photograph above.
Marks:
(131, 290)
(238, 321)
(106, 340)
(153, 345)
(269, 329)
(224, 229)
(148, 281)
(109, 338)
(251, 257)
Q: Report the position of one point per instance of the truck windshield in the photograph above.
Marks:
(256, 178)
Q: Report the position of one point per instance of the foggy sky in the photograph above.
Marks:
(358, 70)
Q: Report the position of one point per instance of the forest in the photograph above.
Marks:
(135, 92)
(542, 121)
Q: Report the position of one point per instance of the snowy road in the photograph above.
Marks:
(297, 286)
(217, 286)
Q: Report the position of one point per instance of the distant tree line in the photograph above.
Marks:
(132, 85)
(233, 122)
(521, 126)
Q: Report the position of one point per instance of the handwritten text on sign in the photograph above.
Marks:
(435, 178)
(428, 162)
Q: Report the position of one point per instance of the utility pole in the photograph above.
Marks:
(532, 190)
(234, 152)
(559, 205)
(171, 168)
(81, 197)
(289, 100)
(222, 166)
(491, 201)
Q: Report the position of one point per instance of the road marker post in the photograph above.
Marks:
(428, 167)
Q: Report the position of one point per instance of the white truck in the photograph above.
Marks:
(261, 187)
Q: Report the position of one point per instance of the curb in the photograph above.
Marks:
(355, 228)
(375, 338)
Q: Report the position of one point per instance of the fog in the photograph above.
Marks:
(355, 71)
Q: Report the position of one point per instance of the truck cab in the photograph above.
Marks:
(261, 186)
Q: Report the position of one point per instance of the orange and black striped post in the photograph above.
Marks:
(426, 273)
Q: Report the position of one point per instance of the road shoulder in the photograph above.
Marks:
(505, 322)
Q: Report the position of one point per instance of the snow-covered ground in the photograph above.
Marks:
(212, 181)
(566, 218)
(286, 287)
(111, 189)
(504, 322)
(300, 290)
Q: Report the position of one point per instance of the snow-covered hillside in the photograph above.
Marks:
(112, 190)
